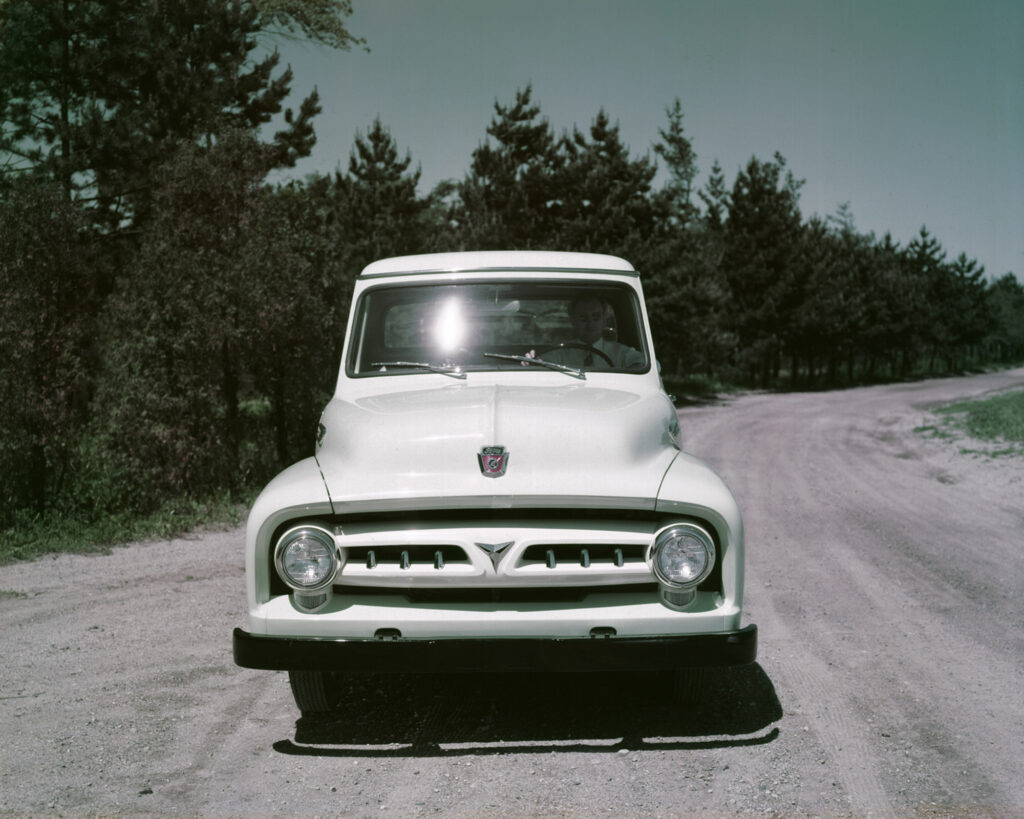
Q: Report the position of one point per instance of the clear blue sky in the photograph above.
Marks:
(910, 110)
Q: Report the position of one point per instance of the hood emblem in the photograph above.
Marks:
(493, 461)
(494, 551)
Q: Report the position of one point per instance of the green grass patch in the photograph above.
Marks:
(32, 536)
(934, 431)
(998, 419)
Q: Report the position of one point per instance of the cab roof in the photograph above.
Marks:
(487, 260)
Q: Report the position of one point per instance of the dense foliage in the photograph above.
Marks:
(171, 323)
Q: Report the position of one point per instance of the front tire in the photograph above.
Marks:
(315, 692)
(690, 686)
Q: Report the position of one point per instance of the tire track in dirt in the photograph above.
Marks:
(817, 694)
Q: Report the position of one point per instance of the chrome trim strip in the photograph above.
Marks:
(456, 503)
(630, 274)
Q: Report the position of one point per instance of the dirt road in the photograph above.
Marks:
(885, 572)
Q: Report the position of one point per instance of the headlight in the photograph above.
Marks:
(683, 555)
(306, 558)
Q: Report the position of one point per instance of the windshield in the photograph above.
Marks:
(465, 327)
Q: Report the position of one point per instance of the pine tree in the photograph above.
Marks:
(828, 299)
(969, 315)
(1005, 337)
(320, 21)
(96, 94)
(48, 73)
(607, 202)
(377, 204)
(677, 151)
(715, 197)
(510, 198)
(761, 239)
(924, 266)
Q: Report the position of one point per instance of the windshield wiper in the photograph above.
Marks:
(551, 365)
(444, 369)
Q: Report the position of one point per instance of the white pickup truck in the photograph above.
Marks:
(498, 484)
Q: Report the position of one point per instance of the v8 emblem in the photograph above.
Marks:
(494, 551)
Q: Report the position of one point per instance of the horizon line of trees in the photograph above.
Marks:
(171, 322)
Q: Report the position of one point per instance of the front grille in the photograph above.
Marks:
(492, 557)
(489, 555)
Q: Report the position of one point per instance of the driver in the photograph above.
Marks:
(590, 316)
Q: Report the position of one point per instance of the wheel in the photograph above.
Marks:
(579, 345)
(315, 692)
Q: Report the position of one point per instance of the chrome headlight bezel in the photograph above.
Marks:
(315, 537)
(671, 534)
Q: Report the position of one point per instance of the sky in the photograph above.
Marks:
(911, 111)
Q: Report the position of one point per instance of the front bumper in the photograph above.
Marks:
(497, 654)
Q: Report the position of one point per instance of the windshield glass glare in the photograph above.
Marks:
(406, 329)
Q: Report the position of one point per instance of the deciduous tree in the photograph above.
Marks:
(47, 307)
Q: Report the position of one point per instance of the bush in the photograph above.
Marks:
(47, 309)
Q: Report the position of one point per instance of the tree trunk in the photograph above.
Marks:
(229, 393)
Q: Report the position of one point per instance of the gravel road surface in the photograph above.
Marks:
(885, 572)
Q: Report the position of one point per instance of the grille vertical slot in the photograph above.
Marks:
(404, 557)
(585, 555)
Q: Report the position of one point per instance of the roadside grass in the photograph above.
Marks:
(32, 536)
(998, 420)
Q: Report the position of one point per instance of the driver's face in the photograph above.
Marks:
(587, 320)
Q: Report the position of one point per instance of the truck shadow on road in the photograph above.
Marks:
(481, 714)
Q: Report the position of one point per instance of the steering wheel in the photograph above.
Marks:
(576, 345)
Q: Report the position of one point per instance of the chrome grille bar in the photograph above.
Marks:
(472, 554)
(585, 555)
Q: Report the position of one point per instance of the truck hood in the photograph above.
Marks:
(573, 445)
